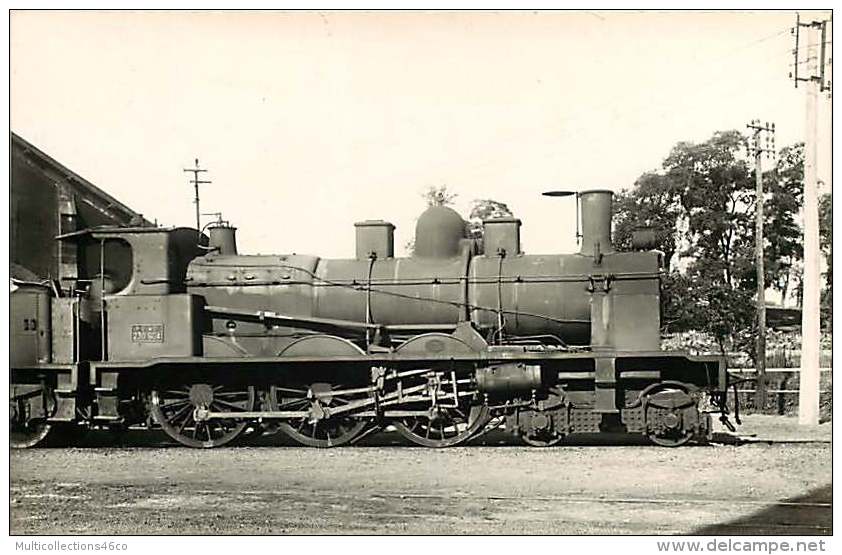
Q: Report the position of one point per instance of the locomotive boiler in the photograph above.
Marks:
(174, 329)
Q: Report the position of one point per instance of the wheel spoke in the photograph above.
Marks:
(176, 393)
(233, 395)
(292, 403)
(301, 392)
(175, 404)
(220, 402)
(184, 423)
(183, 411)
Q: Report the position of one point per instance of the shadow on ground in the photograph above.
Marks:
(808, 515)
(495, 438)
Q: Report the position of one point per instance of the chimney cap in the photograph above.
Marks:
(558, 193)
(503, 220)
(374, 223)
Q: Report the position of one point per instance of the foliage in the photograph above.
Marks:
(826, 241)
(784, 250)
(702, 207)
(715, 191)
(485, 209)
(651, 203)
(439, 196)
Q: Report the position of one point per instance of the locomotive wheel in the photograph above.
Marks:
(23, 436)
(543, 440)
(441, 426)
(676, 439)
(444, 426)
(321, 432)
(25, 432)
(669, 401)
(174, 410)
(44, 434)
(325, 432)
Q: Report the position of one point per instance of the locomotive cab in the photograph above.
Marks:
(131, 281)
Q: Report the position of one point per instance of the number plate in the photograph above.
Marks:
(153, 333)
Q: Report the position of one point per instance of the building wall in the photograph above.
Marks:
(41, 189)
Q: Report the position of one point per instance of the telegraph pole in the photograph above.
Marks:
(196, 182)
(760, 343)
(808, 396)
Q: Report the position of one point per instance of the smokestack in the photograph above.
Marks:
(596, 206)
(223, 239)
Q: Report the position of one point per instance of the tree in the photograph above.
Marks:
(716, 193)
(652, 202)
(485, 209)
(701, 207)
(784, 251)
(826, 241)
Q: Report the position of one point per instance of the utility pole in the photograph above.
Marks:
(760, 342)
(196, 182)
(809, 377)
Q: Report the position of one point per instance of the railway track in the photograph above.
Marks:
(495, 436)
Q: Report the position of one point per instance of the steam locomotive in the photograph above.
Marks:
(172, 328)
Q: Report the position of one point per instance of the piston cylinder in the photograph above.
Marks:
(509, 378)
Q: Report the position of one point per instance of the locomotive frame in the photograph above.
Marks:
(130, 338)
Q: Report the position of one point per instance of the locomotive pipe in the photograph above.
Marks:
(596, 206)
(223, 239)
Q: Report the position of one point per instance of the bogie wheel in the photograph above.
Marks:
(26, 432)
(44, 434)
(671, 440)
(175, 411)
(332, 431)
(23, 436)
(543, 440)
(666, 408)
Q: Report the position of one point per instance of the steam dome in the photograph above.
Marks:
(438, 233)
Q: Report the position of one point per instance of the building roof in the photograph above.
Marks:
(104, 202)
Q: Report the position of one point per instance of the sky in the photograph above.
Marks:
(310, 121)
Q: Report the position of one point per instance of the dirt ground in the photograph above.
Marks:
(731, 487)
